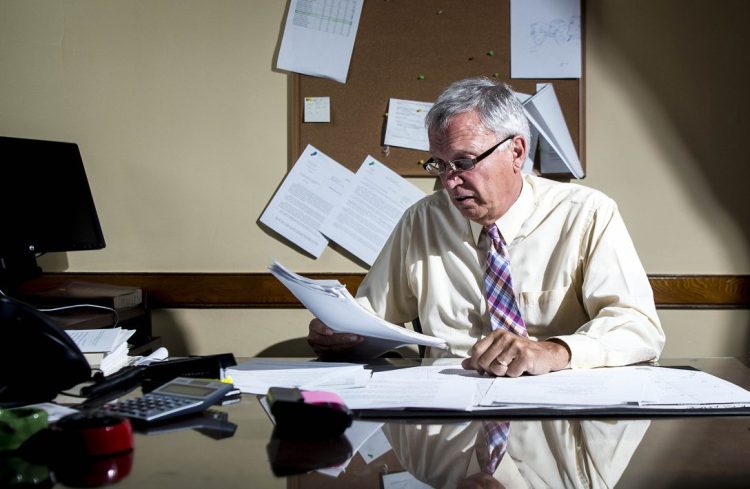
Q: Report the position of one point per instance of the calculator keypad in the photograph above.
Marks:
(150, 407)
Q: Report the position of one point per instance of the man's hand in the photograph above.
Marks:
(324, 341)
(502, 353)
(480, 481)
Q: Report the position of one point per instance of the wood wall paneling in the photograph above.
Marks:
(262, 290)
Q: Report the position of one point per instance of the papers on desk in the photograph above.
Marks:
(258, 375)
(447, 386)
(430, 387)
(104, 349)
(645, 387)
(329, 301)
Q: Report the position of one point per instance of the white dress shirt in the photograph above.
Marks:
(576, 275)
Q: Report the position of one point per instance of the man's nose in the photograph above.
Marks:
(451, 179)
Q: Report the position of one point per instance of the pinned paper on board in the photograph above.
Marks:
(314, 185)
(545, 38)
(557, 153)
(371, 208)
(319, 36)
(317, 109)
(405, 127)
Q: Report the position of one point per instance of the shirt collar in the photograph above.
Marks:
(510, 223)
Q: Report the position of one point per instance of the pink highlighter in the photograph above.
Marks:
(308, 414)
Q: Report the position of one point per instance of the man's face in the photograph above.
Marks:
(484, 193)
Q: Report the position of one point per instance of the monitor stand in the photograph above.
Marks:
(16, 269)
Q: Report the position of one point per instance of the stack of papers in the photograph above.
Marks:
(105, 349)
(258, 375)
(447, 386)
(330, 302)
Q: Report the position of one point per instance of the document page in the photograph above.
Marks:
(595, 387)
(405, 124)
(319, 37)
(557, 151)
(545, 38)
(99, 340)
(387, 392)
(313, 188)
(375, 201)
(336, 307)
(687, 387)
(258, 375)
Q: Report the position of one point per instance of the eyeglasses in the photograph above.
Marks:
(439, 167)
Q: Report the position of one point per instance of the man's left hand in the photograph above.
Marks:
(502, 353)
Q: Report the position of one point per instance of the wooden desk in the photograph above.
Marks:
(674, 452)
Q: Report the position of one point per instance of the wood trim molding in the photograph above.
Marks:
(262, 290)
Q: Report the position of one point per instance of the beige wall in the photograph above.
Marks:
(182, 123)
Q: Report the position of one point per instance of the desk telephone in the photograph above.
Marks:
(37, 358)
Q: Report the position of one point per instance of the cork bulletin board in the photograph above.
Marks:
(412, 50)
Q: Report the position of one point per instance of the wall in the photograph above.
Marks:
(183, 126)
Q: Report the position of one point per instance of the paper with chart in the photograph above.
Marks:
(405, 124)
(319, 37)
(312, 188)
(330, 302)
(370, 209)
(545, 38)
(557, 151)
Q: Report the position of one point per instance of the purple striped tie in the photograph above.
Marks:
(501, 301)
(505, 315)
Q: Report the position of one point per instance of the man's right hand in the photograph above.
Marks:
(324, 341)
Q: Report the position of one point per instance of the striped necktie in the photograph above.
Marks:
(492, 441)
(501, 301)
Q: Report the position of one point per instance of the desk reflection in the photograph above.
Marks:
(556, 453)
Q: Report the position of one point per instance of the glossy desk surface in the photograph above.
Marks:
(705, 451)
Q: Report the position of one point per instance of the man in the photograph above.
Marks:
(577, 283)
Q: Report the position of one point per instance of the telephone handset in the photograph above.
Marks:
(38, 359)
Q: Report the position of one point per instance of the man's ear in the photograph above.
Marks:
(518, 149)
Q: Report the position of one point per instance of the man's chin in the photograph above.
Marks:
(471, 213)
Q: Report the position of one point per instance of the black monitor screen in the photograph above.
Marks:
(45, 199)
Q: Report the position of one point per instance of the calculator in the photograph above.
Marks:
(178, 397)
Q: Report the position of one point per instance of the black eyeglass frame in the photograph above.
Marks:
(433, 166)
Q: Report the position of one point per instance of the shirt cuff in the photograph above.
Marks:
(585, 352)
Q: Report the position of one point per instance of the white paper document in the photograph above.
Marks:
(545, 38)
(450, 391)
(317, 109)
(595, 387)
(311, 190)
(557, 151)
(319, 37)
(330, 302)
(636, 386)
(692, 388)
(99, 340)
(258, 375)
(370, 209)
(405, 124)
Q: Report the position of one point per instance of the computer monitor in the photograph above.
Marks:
(45, 205)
